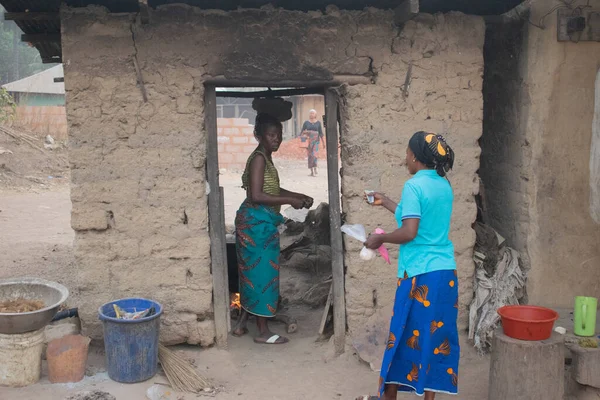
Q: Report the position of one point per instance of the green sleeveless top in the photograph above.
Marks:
(271, 179)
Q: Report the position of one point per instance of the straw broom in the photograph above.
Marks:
(181, 373)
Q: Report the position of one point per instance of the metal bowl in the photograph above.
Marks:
(51, 293)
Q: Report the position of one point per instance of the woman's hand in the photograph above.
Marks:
(374, 242)
(297, 203)
(307, 201)
(378, 198)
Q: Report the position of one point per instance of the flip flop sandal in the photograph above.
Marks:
(244, 332)
(272, 340)
(367, 398)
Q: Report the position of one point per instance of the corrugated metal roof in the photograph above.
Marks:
(42, 82)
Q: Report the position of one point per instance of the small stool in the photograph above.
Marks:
(522, 370)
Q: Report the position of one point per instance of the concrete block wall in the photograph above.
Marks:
(236, 142)
(43, 120)
(138, 168)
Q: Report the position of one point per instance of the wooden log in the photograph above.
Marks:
(41, 37)
(326, 312)
(335, 221)
(32, 16)
(290, 323)
(52, 59)
(336, 80)
(224, 250)
(271, 93)
(522, 370)
(216, 222)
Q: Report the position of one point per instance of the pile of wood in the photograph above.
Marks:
(22, 137)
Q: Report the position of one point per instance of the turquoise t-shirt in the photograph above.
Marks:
(428, 197)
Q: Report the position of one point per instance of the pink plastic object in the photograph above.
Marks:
(382, 250)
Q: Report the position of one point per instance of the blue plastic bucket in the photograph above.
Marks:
(131, 346)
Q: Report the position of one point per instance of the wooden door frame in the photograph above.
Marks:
(335, 219)
(217, 220)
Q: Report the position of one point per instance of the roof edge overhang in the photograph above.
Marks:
(40, 19)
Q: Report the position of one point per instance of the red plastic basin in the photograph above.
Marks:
(527, 322)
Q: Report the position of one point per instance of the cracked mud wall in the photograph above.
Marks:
(138, 180)
(562, 238)
(539, 108)
(446, 52)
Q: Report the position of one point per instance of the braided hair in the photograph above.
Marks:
(433, 151)
(262, 122)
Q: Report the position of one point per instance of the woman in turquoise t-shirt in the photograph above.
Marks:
(422, 351)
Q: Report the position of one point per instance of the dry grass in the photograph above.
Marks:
(181, 373)
(22, 137)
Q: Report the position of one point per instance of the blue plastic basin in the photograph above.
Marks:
(131, 346)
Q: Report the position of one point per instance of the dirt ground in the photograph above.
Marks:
(36, 240)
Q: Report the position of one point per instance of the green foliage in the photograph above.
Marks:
(7, 106)
(17, 59)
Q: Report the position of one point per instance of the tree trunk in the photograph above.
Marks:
(522, 370)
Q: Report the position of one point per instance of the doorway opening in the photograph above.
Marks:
(311, 261)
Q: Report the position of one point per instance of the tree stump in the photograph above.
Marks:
(522, 370)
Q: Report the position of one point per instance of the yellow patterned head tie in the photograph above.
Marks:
(433, 151)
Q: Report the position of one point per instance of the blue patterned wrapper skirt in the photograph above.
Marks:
(258, 249)
(423, 351)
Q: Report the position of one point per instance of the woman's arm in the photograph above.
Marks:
(303, 129)
(307, 201)
(384, 201)
(389, 205)
(406, 233)
(257, 180)
(287, 193)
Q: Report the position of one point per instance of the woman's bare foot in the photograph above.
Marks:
(240, 328)
(239, 332)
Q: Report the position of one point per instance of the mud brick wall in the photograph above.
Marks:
(138, 168)
(236, 142)
(540, 107)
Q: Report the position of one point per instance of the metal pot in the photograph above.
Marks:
(51, 293)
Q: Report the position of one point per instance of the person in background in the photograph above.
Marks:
(312, 130)
(422, 351)
(257, 235)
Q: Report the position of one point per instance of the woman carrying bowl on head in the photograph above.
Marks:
(313, 131)
(422, 351)
(257, 234)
